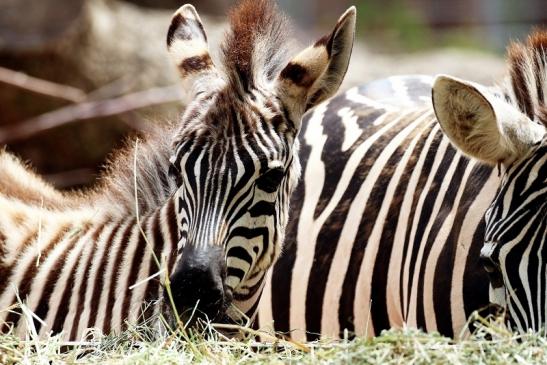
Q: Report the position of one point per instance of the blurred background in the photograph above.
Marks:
(78, 76)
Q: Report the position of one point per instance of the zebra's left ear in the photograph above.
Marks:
(316, 73)
(480, 124)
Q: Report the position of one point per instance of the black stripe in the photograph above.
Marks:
(234, 271)
(423, 177)
(171, 221)
(332, 153)
(80, 297)
(43, 306)
(475, 281)
(425, 216)
(138, 260)
(282, 271)
(262, 208)
(438, 221)
(151, 291)
(64, 305)
(240, 253)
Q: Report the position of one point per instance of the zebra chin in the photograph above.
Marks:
(198, 287)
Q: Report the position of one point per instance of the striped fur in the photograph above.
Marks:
(516, 237)
(389, 221)
(249, 117)
(61, 252)
(220, 177)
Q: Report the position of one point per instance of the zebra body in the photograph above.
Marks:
(385, 224)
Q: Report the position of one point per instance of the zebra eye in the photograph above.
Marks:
(270, 180)
(175, 173)
(489, 256)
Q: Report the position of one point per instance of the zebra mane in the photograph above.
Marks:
(528, 75)
(144, 160)
(255, 47)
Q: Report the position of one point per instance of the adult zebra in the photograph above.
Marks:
(215, 225)
(388, 226)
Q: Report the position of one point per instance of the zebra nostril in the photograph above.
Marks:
(198, 293)
(198, 284)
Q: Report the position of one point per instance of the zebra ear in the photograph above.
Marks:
(480, 124)
(316, 73)
(187, 45)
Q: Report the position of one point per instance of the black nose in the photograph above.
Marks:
(197, 285)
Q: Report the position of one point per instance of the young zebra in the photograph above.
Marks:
(205, 200)
(387, 224)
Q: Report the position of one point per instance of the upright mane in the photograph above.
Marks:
(528, 75)
(143, 163)
(255, 46)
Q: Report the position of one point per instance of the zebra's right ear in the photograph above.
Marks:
(315, 74)
(187, 45)
(480, 124)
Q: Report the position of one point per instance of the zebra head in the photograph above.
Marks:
(507, 129)
(236, 152)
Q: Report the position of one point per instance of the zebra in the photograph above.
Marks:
(508, 128)
(191, 215)
(387, 226)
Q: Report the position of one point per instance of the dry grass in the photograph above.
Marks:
(490, 344)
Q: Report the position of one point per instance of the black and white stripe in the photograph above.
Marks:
(74, 268)
(507, 126)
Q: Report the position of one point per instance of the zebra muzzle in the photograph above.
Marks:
(198, 284)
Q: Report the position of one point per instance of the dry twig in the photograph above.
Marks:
(41, 86)
(88, 110)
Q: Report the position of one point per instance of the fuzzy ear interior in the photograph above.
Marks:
(187, 45)
(316, 73)
(481, 125)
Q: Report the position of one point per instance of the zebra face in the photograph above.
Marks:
(516, 237)
(235, 154)
(500, 132)
(232, 203)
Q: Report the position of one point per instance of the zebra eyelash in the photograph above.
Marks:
(175, 173)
